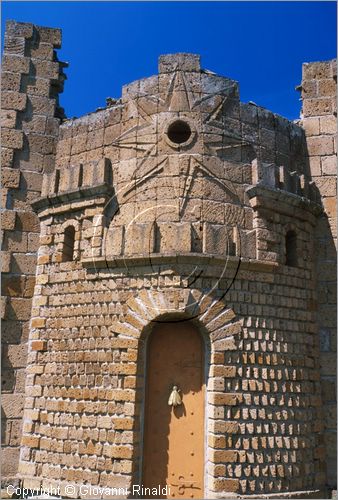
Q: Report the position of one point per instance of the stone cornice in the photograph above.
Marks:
(73, 200)
(283, 202)
(185, 258)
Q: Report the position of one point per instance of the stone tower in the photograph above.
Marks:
(31, 80)
(319, 120)
(178, 229)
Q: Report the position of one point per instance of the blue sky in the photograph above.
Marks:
(260, 44)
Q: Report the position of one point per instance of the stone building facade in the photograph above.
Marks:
(175, 237)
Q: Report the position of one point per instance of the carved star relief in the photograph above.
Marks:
(195, 165)
(143, 136)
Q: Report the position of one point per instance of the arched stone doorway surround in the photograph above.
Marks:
(220, 328)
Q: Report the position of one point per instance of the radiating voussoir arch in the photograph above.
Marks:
(151, 306)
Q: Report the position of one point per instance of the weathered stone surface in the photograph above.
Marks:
(327, 186)
(12, 138)
(22, 263)
(138, 224)
(328, 164)
(12, 405)
(10, 177)
(318, 146)
(10, 459)
(21, 118)
(8, 119)
(13, 100)
(318, 107)
(183, 62)
(8, 218)
(27, 221)
(6, 158)
(323, 165)
(317, 70)
(5, 262)
(15, 63)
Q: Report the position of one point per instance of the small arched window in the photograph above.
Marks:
(68, 244)
(291, 249)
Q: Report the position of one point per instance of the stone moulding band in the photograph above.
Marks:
(281, 201)
(81, 195)
(181, 258)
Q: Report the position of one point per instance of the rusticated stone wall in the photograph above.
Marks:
(31, 79)
(319, 119)
(166, 227)
(194, 227)
(84, 394)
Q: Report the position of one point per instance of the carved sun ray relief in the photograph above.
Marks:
(195, 166)
(148, 127)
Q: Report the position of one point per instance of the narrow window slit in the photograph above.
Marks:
(291, 249)
(68, 245)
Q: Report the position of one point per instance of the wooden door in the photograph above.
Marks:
(173, 448)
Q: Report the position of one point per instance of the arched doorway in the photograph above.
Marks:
(173, 445)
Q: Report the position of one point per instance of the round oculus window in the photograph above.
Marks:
(179, 132)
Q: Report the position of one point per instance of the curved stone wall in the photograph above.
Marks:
(181, 199)
(85, 384)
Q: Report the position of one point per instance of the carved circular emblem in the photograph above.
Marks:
(179, 133)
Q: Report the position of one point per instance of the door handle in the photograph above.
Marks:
(174, 398)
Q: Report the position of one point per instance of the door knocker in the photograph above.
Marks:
(174, 398)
